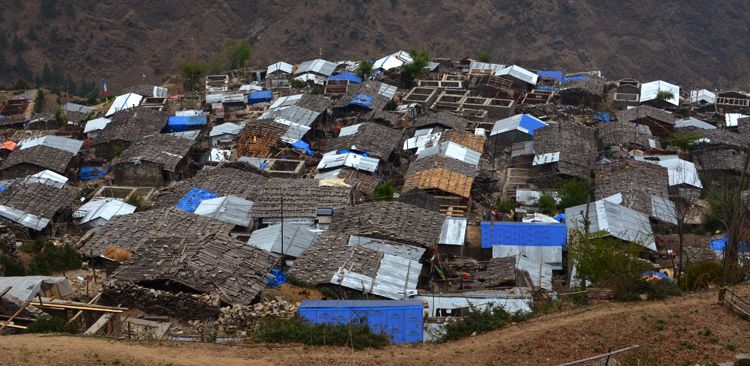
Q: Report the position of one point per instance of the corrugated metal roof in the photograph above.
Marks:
(540, 272)
(26, 219)
(359, 303)
(522, 122)
(680, 171)
(232, 209)
(228, 128)
(519, 73)
(96, 124)
(58, 142)
(349, 130)
(124, 101)
(387, 90)
(477, 65)
(693, 122)
(453, 231)
(396, 278)
(297, 238)
(703, 95)
(219, 155)
(191, 135)
(318, 66)
(650, 90)
(419, 142)
(73, 107)
(388, 247)
(392, 61)
(280, 66)
(732, 119)
(511, 302)
(663, 209)
(25, 288)
(47, 177)
(619, 221)
(352, 160)
(452, 150)
(104, 208)
(546, 158)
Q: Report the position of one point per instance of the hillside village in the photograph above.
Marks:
(411, 187)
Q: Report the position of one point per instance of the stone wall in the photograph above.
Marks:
(157, 302)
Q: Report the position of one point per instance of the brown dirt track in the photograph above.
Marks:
(671, 332)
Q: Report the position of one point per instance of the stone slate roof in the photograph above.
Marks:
(636, 180)
(628, 134)
(593, 86)
(218, 264)
(720, 159)
(315, 103)
(319, 263)
(39, 199)
(576, 144)
(132, 231)
(364, 182)
(370, 88)
(132, 124)
(162, 149)
(377, 140)
(301, 198)
(397, 221)
(222, 181)
(442, 173)
(465, 139)
(444, 119)
(643, 111)
(44, 157)
(726, 138)
(144, 90)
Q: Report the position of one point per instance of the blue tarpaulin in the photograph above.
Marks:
(275, 279)
(301, 145)
(523, 234)
(361, 100)
(92, 172)
(260, 96)
(657, 274)
(3, 188)
(568, 79)
(530, 123)
(346, 76)
(193, 199)
(601, 116)
(560, 217)
(184, 123)
(557, 75)
(365, 154)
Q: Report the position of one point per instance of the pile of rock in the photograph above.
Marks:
(180, 305)
(245, 316)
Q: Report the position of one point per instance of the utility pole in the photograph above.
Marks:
(282, 231)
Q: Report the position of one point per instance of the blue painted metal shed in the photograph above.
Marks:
(346, 76)
(553, 74)
(400, 320)
(260, 96)
(184, 123)
(523, 234)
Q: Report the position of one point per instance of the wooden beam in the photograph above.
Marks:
(93, 301)
(7, 322)
(597, 357)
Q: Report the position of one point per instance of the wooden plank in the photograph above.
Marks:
(93, 301)
(7, 322)
(101, 322)
(597, 357)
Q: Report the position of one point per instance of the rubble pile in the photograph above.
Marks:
(180, 305)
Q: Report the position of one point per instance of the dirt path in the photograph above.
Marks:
(680, 331)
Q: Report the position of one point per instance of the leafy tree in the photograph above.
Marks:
(415, 69)
(384, 192)
(664, 95)
(39, 101)
(484, 57)
(13, 267)
(48, 8)
(46, 75)
(682, 139)
(572, 192)
(364, 70)
(18, 45)
(31, 34)
(547, 203)
(192, 71)
(236, 52)
(605, 262)
(505, 204)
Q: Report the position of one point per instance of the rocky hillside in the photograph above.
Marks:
(691, 42)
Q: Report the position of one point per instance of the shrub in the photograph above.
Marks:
(505, 204)
(699, 275)
(296, 331)
(481, 321)
(12, 266)
(547, 203)
(384, 192)
(139, 202)
(297, 84)
(50, 324)
(236, 52)
(54, 258)
(573, 192)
